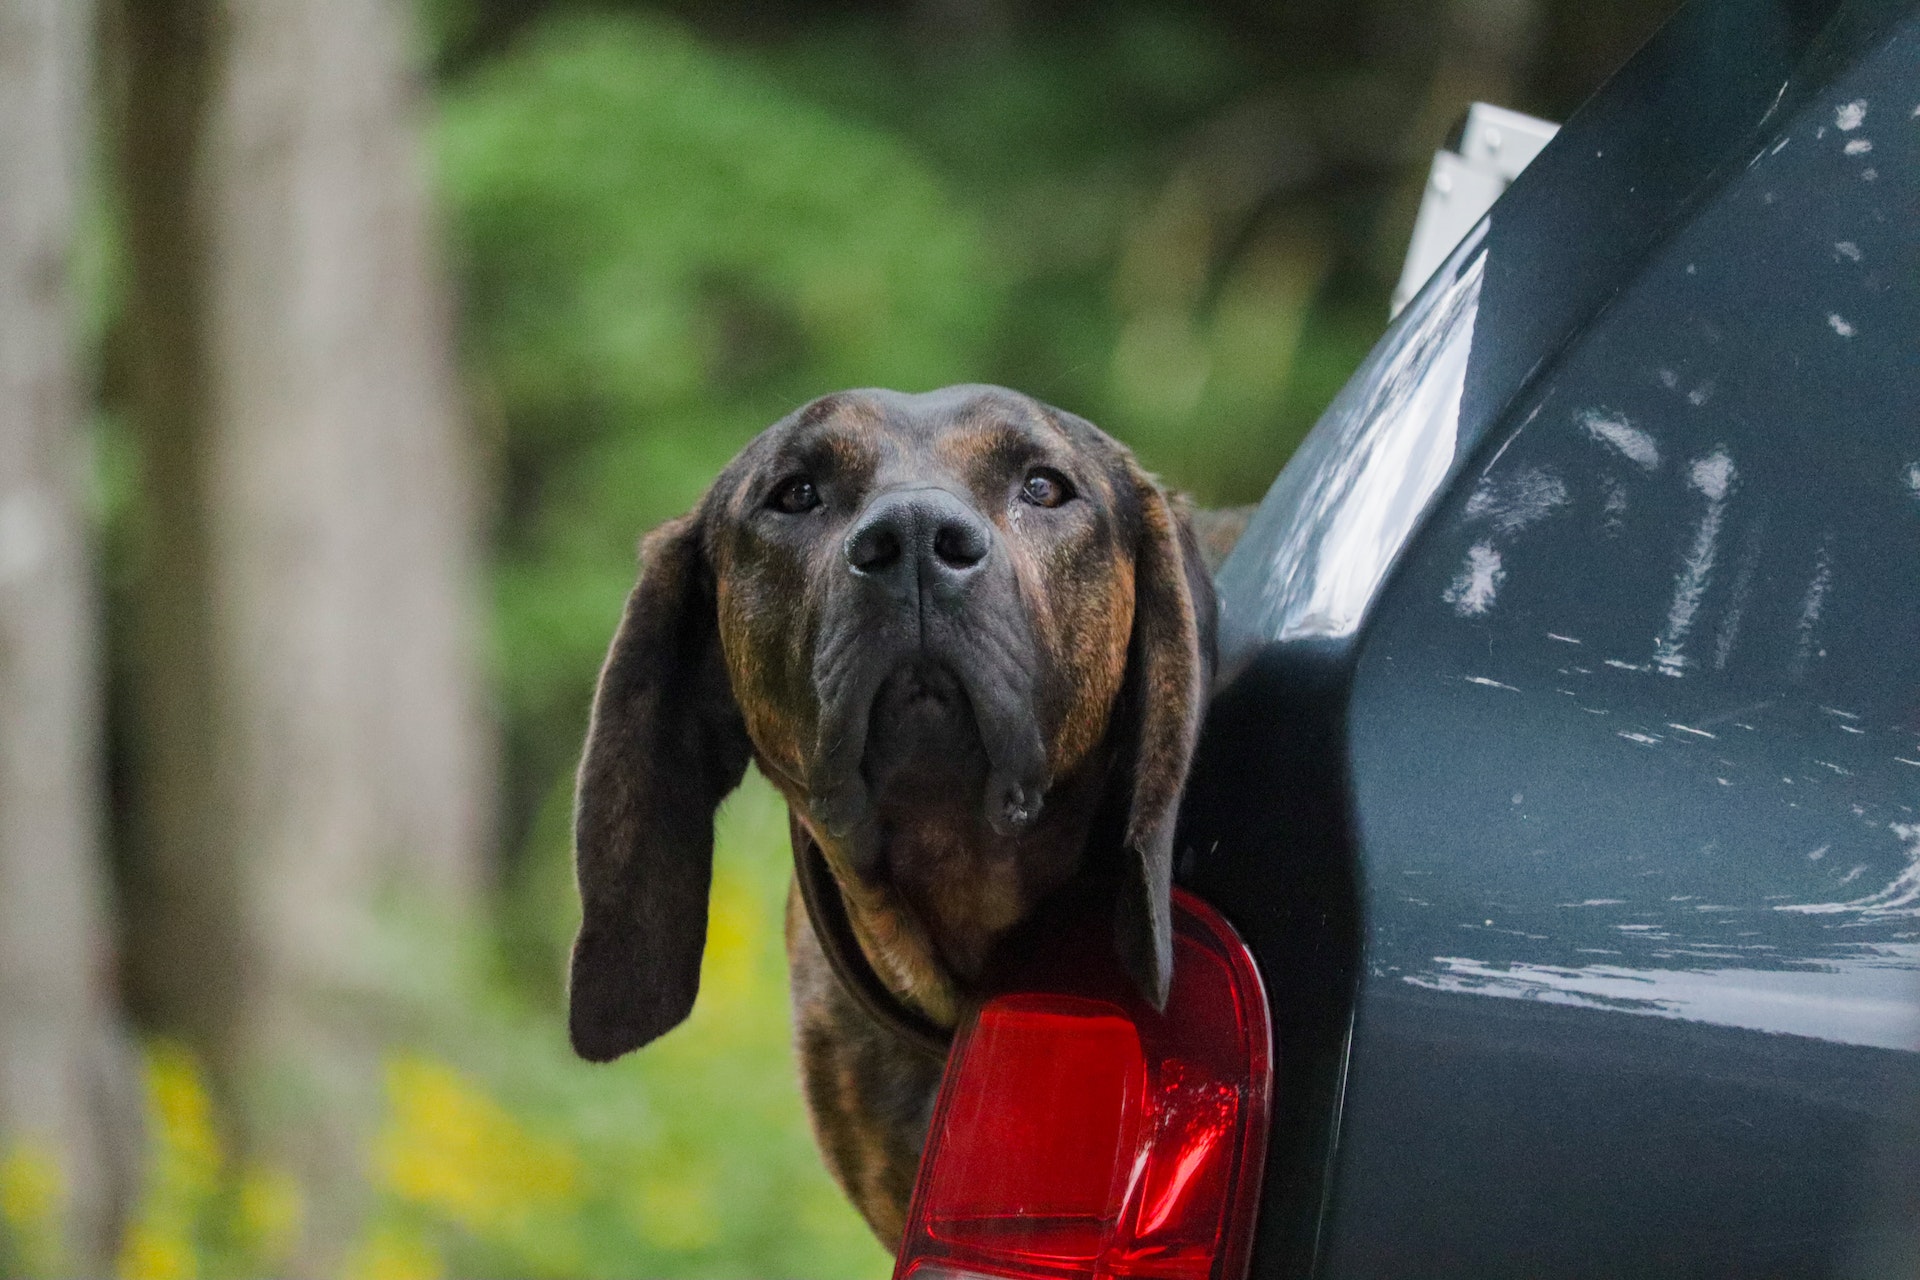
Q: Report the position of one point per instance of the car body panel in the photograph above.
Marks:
(1564, 779)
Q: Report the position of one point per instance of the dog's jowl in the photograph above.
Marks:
(969, 639)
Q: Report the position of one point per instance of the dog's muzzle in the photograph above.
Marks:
(919, 549)
(928, 581)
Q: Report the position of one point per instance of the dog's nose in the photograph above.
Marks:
(915, 538)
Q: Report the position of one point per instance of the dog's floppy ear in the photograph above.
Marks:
(665, 746)
(1170, 664)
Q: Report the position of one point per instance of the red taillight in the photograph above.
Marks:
(1080, 1133)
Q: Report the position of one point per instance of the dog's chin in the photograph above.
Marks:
(928, 735)
(924, 748)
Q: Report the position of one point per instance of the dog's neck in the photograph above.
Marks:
(899, 948)
(952, 890)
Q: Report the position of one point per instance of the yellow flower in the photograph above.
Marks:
(32, 1205)
(677, 1213)
(152, 1254)
(394, 1253)
(269, 1212)
(449, 1147)
(734, 930)
(183, 1174)
(183, 1112)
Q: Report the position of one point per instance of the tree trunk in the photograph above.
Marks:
(310, 729)
(68, 1103)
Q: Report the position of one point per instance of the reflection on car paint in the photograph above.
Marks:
(1473, 591)
(1634, 444)
(1509, 506)
(1898, 898)
(1740, 596)
(1356, 487)
(1810, 607)
(1713, 476)
(1863, 1001)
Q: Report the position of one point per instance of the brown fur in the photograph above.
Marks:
(972, 701)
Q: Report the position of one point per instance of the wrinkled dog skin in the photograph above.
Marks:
(969, 641)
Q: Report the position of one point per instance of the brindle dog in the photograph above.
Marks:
(969, 640)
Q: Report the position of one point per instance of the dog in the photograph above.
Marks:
(970, 641)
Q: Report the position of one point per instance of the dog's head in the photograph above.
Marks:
(958, 631)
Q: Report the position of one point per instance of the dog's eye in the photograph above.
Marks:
(1046, 487)
(795, 496)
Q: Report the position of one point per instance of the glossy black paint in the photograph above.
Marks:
(1567, 779)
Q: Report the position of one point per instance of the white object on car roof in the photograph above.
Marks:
(1494, 145)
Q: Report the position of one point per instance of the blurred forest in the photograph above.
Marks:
(345, 351)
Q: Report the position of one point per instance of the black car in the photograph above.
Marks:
(1564, 782)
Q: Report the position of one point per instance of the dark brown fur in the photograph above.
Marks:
(972, 701)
